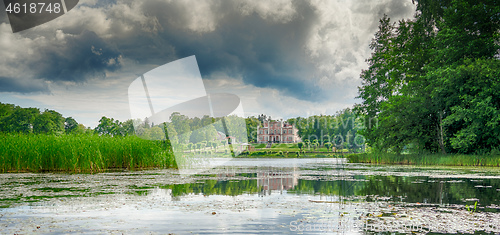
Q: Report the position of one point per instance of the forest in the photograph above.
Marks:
(340, 129)
(433, 82)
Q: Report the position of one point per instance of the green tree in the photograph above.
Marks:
(197, 136)
(252, 123)
(307, 144)
(314, 144)
(80, 129)
(5, 111)
(300, 145)
(21, 120)
(214, 145)
(108, 126)
(49, 122)
(127, 127)
(429, 79)
(171, 133)
(70, 125)
(328, 146)
(181, 125)
(156, 133)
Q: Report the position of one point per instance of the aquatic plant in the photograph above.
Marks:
(426, 159)
(470, 209)
(80, 153)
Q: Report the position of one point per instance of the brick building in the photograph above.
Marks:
(277, 132)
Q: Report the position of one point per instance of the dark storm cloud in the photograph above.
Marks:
(79, 58)
(21, 85)
(395, 9)
(266, 47)
(3, 14)
(265, 53)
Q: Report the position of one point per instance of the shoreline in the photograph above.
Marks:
(425, 159)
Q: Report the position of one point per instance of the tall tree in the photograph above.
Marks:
(70, 125)
(429, 79)
(181, 125)
(252, 123)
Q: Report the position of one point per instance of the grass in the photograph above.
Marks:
(294, 147)
(259, 146)
(426, 159)
(80, 153)
(274, 153)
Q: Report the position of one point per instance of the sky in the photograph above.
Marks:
(283, 58)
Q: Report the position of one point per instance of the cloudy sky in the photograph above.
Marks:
(282, 58)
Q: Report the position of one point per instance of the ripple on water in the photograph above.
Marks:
(254, 196)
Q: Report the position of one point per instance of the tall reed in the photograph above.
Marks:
(80, 153)
(426, 159)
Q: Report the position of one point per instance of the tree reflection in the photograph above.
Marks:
(409, 189)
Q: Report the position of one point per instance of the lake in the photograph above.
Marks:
(269, 196)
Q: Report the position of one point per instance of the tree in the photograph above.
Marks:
(127, 127)
(20, 120)
(181, 126)
(429, 79)
(315, 144)
(328, 145)
(70, 125)
(156, 133)
(300, 145)
(307, 143)
(5, 111)
(170, 133)
(252, 123)
(376, 81)
(49, 122)
(108, 126)
(214, 145)
(210, 133)
(197, 136)
(473, 122)
(80, 129)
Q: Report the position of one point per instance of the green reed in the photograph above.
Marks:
(426, 159)
(80, 153)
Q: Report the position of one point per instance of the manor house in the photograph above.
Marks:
(277, 132)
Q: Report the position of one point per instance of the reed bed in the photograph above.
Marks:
(80, 153)
(426, 159)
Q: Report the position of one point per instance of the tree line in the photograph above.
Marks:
(433, 82)
(32, 120)
(339, 130)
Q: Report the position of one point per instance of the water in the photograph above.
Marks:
(270, 196)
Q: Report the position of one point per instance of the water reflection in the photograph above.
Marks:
(274, 195)
(274, 180)
(407, 189)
